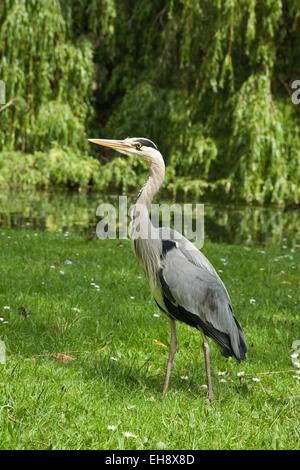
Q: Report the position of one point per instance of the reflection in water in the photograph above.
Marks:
(77, 211)
(252, 225)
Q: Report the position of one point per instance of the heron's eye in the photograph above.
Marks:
(138, 146)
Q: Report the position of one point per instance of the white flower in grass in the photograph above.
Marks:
(132, 297)
(223, 380)
(156, 315)
(252, 301)
(240, 374)
(114, 359)
(62, 272)
(52, 266)
(129, 434)
(255, 379)
(95, 285)
(295, 354)
(296, 377)
(221, 372)
(1, 319)
(111, 427)
(76, 309)
(6, 307)
(184, 377)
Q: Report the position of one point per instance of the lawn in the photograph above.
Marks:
(86, 351)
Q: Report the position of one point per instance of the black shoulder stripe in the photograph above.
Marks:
(167, 245)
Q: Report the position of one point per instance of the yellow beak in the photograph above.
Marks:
(113, 144)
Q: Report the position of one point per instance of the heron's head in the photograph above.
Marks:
(137, 146)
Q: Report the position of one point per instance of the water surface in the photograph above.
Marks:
(75, 211)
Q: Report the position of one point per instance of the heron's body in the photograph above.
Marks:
(187, 288)
(183, 282)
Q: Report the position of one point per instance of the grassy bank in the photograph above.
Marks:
(85, 351)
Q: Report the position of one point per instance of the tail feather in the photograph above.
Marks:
(233, 344)
(243, 345)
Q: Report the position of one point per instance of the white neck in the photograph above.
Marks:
(147, 245)
(153, 183)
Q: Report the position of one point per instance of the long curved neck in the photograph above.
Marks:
(146, 242)
(153, 183)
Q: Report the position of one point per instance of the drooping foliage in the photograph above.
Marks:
(209, 82)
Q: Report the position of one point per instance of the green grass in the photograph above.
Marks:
(46, 403)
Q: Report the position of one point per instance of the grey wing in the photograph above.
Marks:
(193, 292)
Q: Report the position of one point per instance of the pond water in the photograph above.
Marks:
(76, 211)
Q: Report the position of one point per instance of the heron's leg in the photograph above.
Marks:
(173, 347)
(207, 366)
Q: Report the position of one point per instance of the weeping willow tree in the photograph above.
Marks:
(210, 82)
(212, 86)
(44, 69)
(48, 71)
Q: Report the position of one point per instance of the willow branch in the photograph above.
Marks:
(9, 104)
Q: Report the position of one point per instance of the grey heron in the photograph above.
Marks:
(183, 282)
